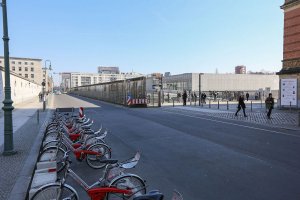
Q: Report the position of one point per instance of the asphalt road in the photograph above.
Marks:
(202, 157)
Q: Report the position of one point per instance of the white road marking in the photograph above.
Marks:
(230, 123)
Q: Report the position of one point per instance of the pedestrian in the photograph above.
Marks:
(192, 97)
(241, 105)
(247, 96)
(204, 98)
(195, 97)
(178, 96)
(269, 105)
(184, 96)
(168, 96)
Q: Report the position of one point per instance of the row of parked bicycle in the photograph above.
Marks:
(73, 134)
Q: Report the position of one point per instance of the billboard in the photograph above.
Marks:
(289, 92)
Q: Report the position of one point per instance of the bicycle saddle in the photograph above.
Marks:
(108, 161)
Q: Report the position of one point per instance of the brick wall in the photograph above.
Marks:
(291, 47)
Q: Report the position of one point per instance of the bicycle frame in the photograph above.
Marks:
(97, 193)
(79, 153)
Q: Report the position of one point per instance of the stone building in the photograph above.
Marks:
(232, 84)
(31, 69)
(290, 73)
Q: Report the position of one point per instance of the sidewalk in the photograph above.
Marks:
(287, 119)
(16, 170)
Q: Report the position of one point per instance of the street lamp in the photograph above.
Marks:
(44, 82)
(7, 108)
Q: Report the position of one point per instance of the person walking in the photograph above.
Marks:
(184, 96)
(247, 96)
(168, 97)
(269, 105)
(241, 105)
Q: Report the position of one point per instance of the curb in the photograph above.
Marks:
(21, 187)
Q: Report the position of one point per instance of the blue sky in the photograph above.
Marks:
(148, 36)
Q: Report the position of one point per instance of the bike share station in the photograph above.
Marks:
(46, 167)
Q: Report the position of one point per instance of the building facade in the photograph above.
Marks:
(31, 69)
(22, 89)
(241, 69)
(77, 79)
(108, 70)
(290, 72)
(234, 83)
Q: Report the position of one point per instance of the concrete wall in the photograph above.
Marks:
(21, 88)
(238, 82)
(222, 82)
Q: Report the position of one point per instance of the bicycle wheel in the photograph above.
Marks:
(128, 182)
(55, 143)
(93, 160)
(53, 154)
(51, 136)
(55, 191)
(93, 140)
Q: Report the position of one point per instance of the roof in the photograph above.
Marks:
(289, 3)
(19, 58)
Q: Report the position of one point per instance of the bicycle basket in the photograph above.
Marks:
(131, 162)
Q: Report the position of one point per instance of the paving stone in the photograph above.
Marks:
(280, 118)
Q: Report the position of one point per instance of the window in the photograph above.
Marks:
(20, 74)
(19, 63)
(20, 68)
(0, 61)
(32, 75)
(13, 62)
(32, 69)
(26, 69)
(32, 63)
(26, 75)
(13, 68)
(26, 63)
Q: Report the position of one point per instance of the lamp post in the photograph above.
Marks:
(45, 82)
(7, 108)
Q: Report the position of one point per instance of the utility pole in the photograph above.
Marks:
(8, 123)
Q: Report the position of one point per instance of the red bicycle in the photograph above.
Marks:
(113, 185)
(93, 154)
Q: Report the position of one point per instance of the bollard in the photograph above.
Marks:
(153, 99)
(299, 119)
(38, 116)
(227, 105)
(218, 104)
(173, 102)
(251, 106)
(290, 106)
(209, 104)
